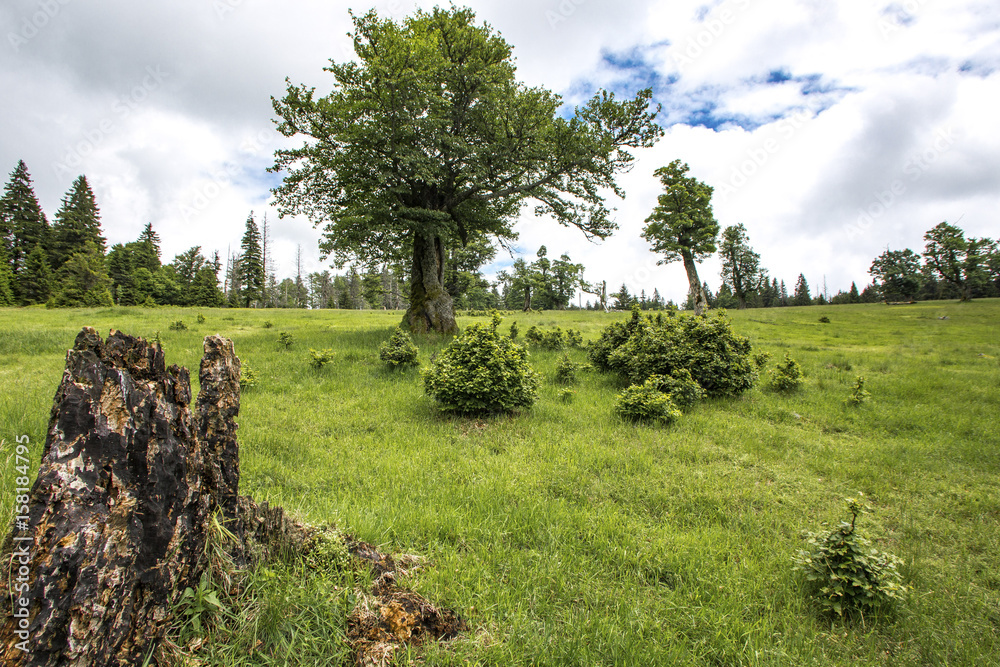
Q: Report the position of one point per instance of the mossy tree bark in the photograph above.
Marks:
(431, 307)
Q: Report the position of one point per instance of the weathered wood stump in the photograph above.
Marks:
(129, 479)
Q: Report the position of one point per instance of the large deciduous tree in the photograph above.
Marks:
(955, 259)
(428, 140)
(682, 225)
(898, 275)
(740, 264)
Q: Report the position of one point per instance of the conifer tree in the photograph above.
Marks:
(34, 281)
(147, 252)
(251, 266)
(801, 296)
(78, 222)
(6, 280)
(83, 279)
(23, 224)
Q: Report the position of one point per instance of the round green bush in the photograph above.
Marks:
(718, 359)
(399, 350)
(482, 371)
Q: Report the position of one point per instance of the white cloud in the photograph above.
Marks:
(167, 110)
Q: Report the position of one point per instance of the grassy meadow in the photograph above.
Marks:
(565, 536)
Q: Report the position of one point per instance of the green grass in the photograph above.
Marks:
(568, 537)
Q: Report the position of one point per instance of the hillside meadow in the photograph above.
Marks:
(565, 536)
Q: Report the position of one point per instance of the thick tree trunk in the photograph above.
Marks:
(431, 308)
(696, 290)
(527, 299)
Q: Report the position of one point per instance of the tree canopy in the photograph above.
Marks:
(428, 140)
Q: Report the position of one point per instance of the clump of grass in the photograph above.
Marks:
(268, 324)
(178, 325)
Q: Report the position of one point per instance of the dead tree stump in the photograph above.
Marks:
(129, 479)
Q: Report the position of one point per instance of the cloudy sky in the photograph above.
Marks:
(832, 130)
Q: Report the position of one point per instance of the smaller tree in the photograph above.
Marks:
(78, 222)
(740, 264)
(83, 279)
(34, 281)
(801, 296)
(682, 225)
(251, 266)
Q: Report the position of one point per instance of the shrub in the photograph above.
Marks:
(513, 331)
(399, 350)
(533, 335)
(845, 573)
(859, 394)
(320, 358)
(646, 402)
(552, 340)
(761, 358)
(201, 318)
(567, 395)
(786, 376)
(614, 336)
(482, 371)
(680, 386)
(248, 377)
(286, 339)
(268, 324)
(824, 319)
(566, 370)
(178, 326)
(574, 338)
(718, 358)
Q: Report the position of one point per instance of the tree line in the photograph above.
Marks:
(67, 263)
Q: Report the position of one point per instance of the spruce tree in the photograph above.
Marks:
(251, 267)
(83, 279)
(6, 280)
(801, 296)
(23, 224)
(34, 281)
(147, 249)
(78, 222)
